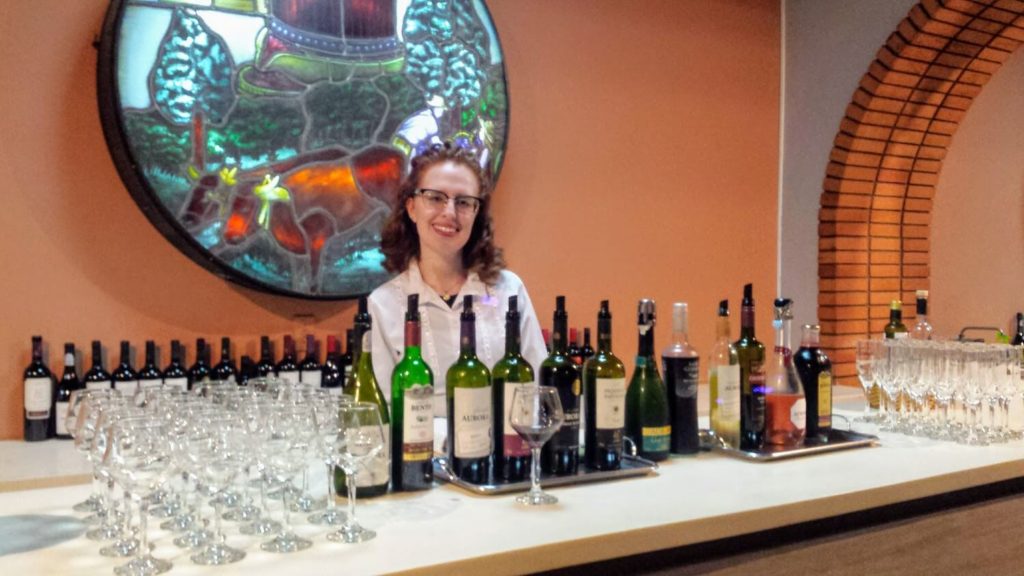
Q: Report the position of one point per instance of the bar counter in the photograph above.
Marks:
(691, 500)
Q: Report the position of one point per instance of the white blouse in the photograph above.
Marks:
(440, 326)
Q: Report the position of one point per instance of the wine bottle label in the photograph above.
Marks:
(98, 385)
(62, 415)
(130, 386)
(418, 424)
(376, 470)
(728, 398)
(681, 376)
(825, 399)
(655, 438)
(513, 444)
(38, 397)
(180, 383)
(610, 403)
(311, 377)
(757, 387)
(472, 422)
(291, 376)
(798, 414)
(150, 383)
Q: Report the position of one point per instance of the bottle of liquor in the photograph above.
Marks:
(561, 454)
(97, 378)
(149, 374)
(265, 366)
(287, 369)
(647, 415)
(39, 413)
(470, 408)
(751, 355)
(546, 334)
(815, 370)
(247, 370)
(375, 473)
(922, 328)
(125, 378)
(68, 383)
(586, 350)
(1018, 338)
(174, 374)
(346, 358)
(573, 350)
(225, 369)
(604, 377)
(412, 405)
(331, 377)
(511, 452)
(895, 329)
(310, 371)
(724, 382)
(681, 365)
(200, 370)
(785, 403)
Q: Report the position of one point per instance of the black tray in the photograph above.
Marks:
(837, 440)
(632, 467)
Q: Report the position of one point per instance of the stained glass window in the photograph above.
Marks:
(267, 138)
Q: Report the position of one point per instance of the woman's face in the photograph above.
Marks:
(443, 228)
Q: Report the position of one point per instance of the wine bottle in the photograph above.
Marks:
(561, 454)
(287, 369)
(247, 370)
(470, 408)
(174, 374)
(332, 377)
(724, 382)
(785, 403)
(587, 351)
(895, 329)
(647, 415)
(751, 356)
(922, 328)
(511, 452)
(68, 383)
(573, 350)
(310, 371)
(265, 366)
(815, 370)
(149, 374)
(200, 370)
(604, 377)
(97, 378)
(412, 405)
(39, 388)
(375, 473)
(347, 358)
(681, 365)
(125, 378)
(225, 369)
(1018, 338)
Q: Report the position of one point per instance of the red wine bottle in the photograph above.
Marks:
(265, 367)
(287, 369)
(573, 350)
(561, 454)
(310, 371)
(586, 350)
(511, 452)
(225, 369)
(246, 370)
(125, 378)
(97, 378)
(68, 383)
(604, 377)
(174, 374)
(470, 406)
(200, 370)
(752, 377)
(681, 365)
(332, 376)
(346, 359)
(149, 374)
(412, 411)
(39, 413)
(815, 370)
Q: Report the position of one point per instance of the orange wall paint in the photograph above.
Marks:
(642, 162)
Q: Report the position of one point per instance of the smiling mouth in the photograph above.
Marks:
(446, 230)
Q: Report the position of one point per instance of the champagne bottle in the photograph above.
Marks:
(225, 369)
(287, 369)
(511, 452)
(647, 415)
(375, 473)
(751, 355)
(561, 454)
(149, 374)
(604, 377)
(815, 370)
(265, 366)
(785, 403)
(174, 374)
(470, 410)
(39, 386)
(310, 371)
(125, 378)
(412, 404)
(97, 378)
(681, 365)
(922, 328)
(332, 377)
(68, 383)
(724, 382)
(895, 329)
(200, 370)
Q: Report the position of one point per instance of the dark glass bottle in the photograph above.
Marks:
(311, 371)
(200, 370)
(896, 329)
(511, 452)
(561, 454)
(587, 351)
(573, 350)
(265, 367)
(68, 383)
(39, 385)
(175, 374)
(647, 416)
(470, 406)
(815, 370)
(1018, 338)
(331, 377)
(412, 409)
(345, 362)
(287, 369)
(752, 378)
(681, 365)
(225, 369)
(604, 377)
(247, 370)
(149, 374)
(97, 378)
(125, 378)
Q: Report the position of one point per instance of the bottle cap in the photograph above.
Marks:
(680, 319)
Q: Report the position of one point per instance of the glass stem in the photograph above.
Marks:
(535, 470)
(127, 516)
(350, 482)
(331, 504)
(218, 506)
(285, 493)
(143, 525)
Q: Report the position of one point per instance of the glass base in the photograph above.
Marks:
(536, 498)
(103, 533)
(217, 554)
(285, 543)
(121, 548)
(245, 513)
(261, 527)
(352, 534)
(306, 503)
(195, 538)
(165, 510)
(329, 517)
(90, 504)
(143, 567)
(179, 523)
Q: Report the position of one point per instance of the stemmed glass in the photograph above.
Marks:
(866, 356)
(326, 413)
(287, 437)
(536, 414)
(78, 407)
(358, 437)
(218, 446)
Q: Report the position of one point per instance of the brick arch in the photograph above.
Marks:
(875, 216)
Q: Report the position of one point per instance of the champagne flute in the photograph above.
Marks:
(359, 437)
(536, 415)
(866, 357)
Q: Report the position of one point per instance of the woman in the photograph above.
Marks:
(440, 239)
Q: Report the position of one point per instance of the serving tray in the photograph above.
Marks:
(837, 440)
(632, 467)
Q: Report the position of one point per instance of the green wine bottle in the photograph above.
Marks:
(647, 414)
(470, 408)
(604, 380)
(412, 405)
(511, 452)
(752, 377)
(561, 454)
(896, 329)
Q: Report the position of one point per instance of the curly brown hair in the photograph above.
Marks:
(399, 240)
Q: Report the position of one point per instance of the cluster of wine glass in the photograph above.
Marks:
(961, 391)
(220, 452)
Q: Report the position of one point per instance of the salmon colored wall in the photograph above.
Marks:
(642, 162)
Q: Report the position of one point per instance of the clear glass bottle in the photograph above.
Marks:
(922, 328)
(680, 363)
(724, 382)
(785, 403)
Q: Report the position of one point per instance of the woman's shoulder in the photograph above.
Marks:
(392, 289)
(508, 282)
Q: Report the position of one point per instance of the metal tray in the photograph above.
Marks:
(632, 467)
(837, 440)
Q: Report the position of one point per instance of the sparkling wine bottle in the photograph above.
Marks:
(724, 382)
(815, 370)
(149, 374)
(751, 355)
(785, 403)
(124, 376)
(647, 415)
(68, 383)
(511, 452)
(681, 365)
(412, 405)
(470, 407)
(604, 378)
(561, 454)
(97, 378)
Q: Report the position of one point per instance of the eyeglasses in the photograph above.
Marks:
(437, 200)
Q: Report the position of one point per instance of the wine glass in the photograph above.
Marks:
(865, 359)
(536, 414)
(326, 413)
(286, 440)
(358, 437)
(80, 404)
(220, 452)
